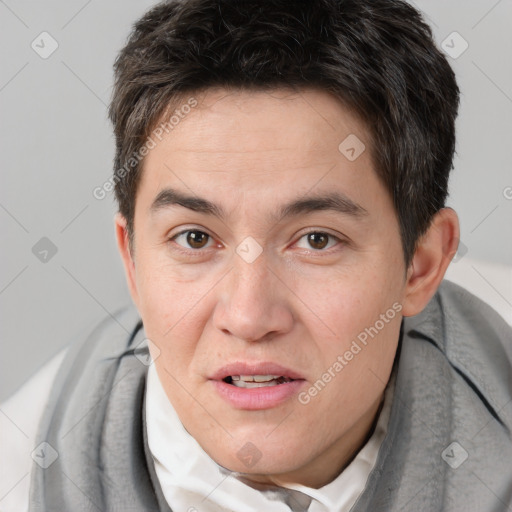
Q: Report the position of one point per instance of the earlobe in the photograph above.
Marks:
(125, 250)
(433, 254)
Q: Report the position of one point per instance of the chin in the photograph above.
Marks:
(257, 455)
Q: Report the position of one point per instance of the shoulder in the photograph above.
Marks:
(19, 419)
(472, 330)
(475, 340)
(22, 413)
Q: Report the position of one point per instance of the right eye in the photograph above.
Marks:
(193, 239)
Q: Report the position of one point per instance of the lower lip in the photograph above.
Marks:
(257, 398)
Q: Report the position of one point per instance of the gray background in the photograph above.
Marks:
(56, 147)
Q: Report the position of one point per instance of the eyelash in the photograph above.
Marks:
(198, 252)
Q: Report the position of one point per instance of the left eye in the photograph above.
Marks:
(193, 239)
(317, 240)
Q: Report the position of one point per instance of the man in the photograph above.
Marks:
(281, 172)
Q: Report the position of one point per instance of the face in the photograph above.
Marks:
(268, 270)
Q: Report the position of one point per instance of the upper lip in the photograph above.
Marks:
(254, 368)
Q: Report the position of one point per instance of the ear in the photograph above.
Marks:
(433, 254)
(125, 249)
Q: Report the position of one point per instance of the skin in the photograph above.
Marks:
(297, 305)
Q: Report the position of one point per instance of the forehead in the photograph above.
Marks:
(247, 122)
(267, 145)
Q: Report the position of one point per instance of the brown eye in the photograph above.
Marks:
(318, 240)
(197, 239)
(192, 239)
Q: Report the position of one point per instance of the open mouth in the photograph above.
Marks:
(256, 385)
(256, 381)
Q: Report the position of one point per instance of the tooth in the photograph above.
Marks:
(257, 381)
(243, 384)
(264, 378)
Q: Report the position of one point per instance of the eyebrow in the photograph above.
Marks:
(334, 201)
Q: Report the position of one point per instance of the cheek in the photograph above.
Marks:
(345, 302)
(165, 296)
(355, 366)
(355, 331)
(174, 312)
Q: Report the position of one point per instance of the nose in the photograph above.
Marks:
(253, 303)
